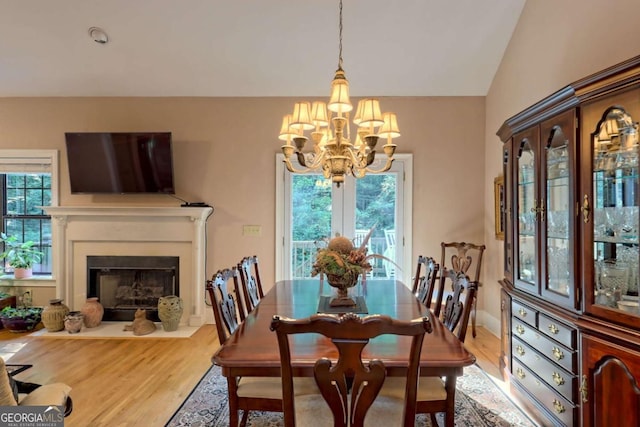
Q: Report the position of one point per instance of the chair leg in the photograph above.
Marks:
(473, 319)
(232, 387)
(450, 387)
(434, 420)
(245, 417)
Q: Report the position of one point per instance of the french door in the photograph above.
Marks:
(310, 210)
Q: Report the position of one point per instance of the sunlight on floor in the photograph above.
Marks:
(9, 349)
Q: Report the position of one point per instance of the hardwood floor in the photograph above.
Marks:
(141, 382)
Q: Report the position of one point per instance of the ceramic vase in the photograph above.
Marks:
(93, 312)
(53, 315)
(73, 322)
(170, 312)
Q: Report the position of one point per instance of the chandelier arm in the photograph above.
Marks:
(292, 169)
(386, 167)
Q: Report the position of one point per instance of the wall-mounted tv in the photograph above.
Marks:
(119, 162)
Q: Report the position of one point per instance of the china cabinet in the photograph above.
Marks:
(571, 331)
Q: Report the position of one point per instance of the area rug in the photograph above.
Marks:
(479, 403)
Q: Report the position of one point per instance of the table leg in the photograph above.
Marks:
(232, 387)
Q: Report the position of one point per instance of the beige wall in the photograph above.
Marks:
(224, 153)
(554, 44)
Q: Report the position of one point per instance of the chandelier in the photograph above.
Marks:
(333, 153)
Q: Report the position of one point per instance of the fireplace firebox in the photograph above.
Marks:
(124, 284)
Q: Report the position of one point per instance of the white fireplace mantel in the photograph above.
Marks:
(78, 232)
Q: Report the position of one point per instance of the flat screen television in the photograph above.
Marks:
(119, 162)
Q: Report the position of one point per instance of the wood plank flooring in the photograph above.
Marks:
(141, 382)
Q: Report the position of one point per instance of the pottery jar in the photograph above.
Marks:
(53, 315)
(73, 322)
(170, 312)
(93, 312)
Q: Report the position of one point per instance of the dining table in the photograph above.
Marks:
(252, 350)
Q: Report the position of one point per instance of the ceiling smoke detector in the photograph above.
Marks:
(98, 35)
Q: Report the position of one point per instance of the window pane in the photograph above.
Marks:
(15, 202)
(311, 220)
(24, 194)
(376, 206)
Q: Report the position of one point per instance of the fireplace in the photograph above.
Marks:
(125, 283)
(80, 232)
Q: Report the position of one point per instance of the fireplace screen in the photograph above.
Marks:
(125, 283)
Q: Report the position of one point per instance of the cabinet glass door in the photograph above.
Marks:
(616, 215)
(527, 209)
(557, 223)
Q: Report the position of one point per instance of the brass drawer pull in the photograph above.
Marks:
(520, 329)
(520, 350)
(520, 373)
(522, 312)
(559, 407)
(557, 378)
(557, 353)
(553, 329)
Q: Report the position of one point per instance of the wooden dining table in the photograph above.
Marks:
(253, 349)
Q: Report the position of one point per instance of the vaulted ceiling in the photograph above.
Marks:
(252, 47)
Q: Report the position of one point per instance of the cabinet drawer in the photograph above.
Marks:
(524, 313)
(523, 331)
(563, 356)
(557, 405)
(562, 381)
(558, 331)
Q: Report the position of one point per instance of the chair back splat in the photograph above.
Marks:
(251, 284)
(225, 308)
(424, 282)
(349, 386)
(457, 307)
(461, 257)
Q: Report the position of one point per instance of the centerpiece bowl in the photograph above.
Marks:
(342, 264)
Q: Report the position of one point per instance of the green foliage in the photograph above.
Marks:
(311, 205)
(21, 313)
(19, 254)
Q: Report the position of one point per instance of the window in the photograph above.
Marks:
(27, 182)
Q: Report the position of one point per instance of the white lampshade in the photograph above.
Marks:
(389, 128)
(371, 115)
(301, 118)
(339, 101)
(358, 117)
(319, 115)
(286, 132)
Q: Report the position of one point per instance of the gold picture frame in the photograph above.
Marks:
(498, 194)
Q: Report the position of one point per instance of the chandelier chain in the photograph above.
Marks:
(340, 39)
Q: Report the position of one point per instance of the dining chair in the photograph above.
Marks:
(435, 394)
(424, 283)
(227, 310)
(461, 257)
(349, 386)
(251, 283)
(245, 393)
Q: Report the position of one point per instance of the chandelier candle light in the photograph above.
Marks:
(333, 152)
